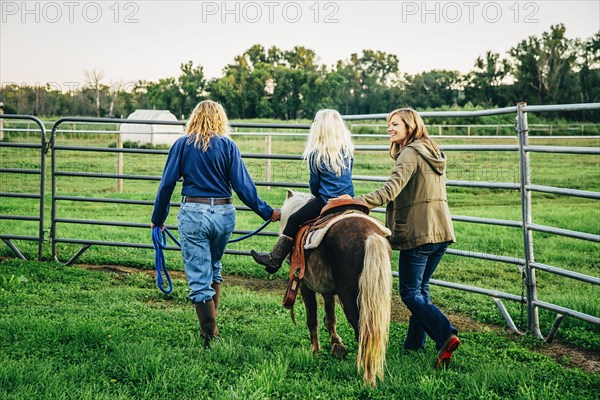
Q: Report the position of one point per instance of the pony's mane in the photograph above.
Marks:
(294, 201)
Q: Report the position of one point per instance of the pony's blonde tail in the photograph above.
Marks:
(374, 303)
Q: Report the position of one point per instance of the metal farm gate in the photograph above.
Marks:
(526, 264)
(31, 141)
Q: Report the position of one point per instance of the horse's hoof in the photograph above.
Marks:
(339, 351)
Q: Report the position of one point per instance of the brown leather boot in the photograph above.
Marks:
(208, 321)
(217, 289)
(272, 261)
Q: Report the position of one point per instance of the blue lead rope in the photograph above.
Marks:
(247, 235)
(159, 240)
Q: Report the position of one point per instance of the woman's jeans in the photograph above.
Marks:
(416, 267)
(204, 231)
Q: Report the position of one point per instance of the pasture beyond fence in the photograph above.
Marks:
(61, 169)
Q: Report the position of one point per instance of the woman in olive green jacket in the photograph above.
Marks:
(418, 216)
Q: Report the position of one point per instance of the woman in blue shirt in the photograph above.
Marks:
(211, 166)
(329, 152)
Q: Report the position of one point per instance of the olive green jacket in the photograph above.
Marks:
(417, 207)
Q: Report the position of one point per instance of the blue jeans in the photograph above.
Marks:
(204, 231)
(415, 268)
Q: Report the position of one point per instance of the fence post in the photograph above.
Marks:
(53, 206)
(1, 121)
(268, 144)
(533, 322)
(119, 162)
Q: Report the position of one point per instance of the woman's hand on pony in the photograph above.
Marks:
(276, 215)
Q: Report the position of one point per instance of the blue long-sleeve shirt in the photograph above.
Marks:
(213, 173)
(326, 184)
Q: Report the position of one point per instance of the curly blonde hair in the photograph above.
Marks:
(207, 120)
(415, 127)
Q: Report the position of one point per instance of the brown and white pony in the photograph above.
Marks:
(352, 262)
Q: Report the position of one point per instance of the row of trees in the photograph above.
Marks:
(546, 69)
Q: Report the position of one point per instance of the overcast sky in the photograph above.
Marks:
(56, 41)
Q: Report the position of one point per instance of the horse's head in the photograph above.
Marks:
(292, 203)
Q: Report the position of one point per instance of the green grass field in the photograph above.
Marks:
(69, 333)
(514, 370)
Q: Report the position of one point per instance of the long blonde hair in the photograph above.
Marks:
(329, 142)
(415, 127)
(207, 120)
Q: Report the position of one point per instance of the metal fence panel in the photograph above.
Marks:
(13, 168)
(527, 264)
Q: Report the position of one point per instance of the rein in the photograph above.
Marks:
(159, 240)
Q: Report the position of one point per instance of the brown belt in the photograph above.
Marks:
(207, 200)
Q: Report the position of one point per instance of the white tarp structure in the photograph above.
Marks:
(153, 134)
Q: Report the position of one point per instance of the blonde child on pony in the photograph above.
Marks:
(329, 152)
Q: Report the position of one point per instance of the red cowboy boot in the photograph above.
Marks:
(445, 353)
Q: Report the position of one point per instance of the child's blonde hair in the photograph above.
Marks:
(207, 120)
(329, 142)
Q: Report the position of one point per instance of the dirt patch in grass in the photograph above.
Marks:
(569, 356)
(565, 354)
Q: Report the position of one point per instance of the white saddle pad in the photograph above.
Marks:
(313, 239)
